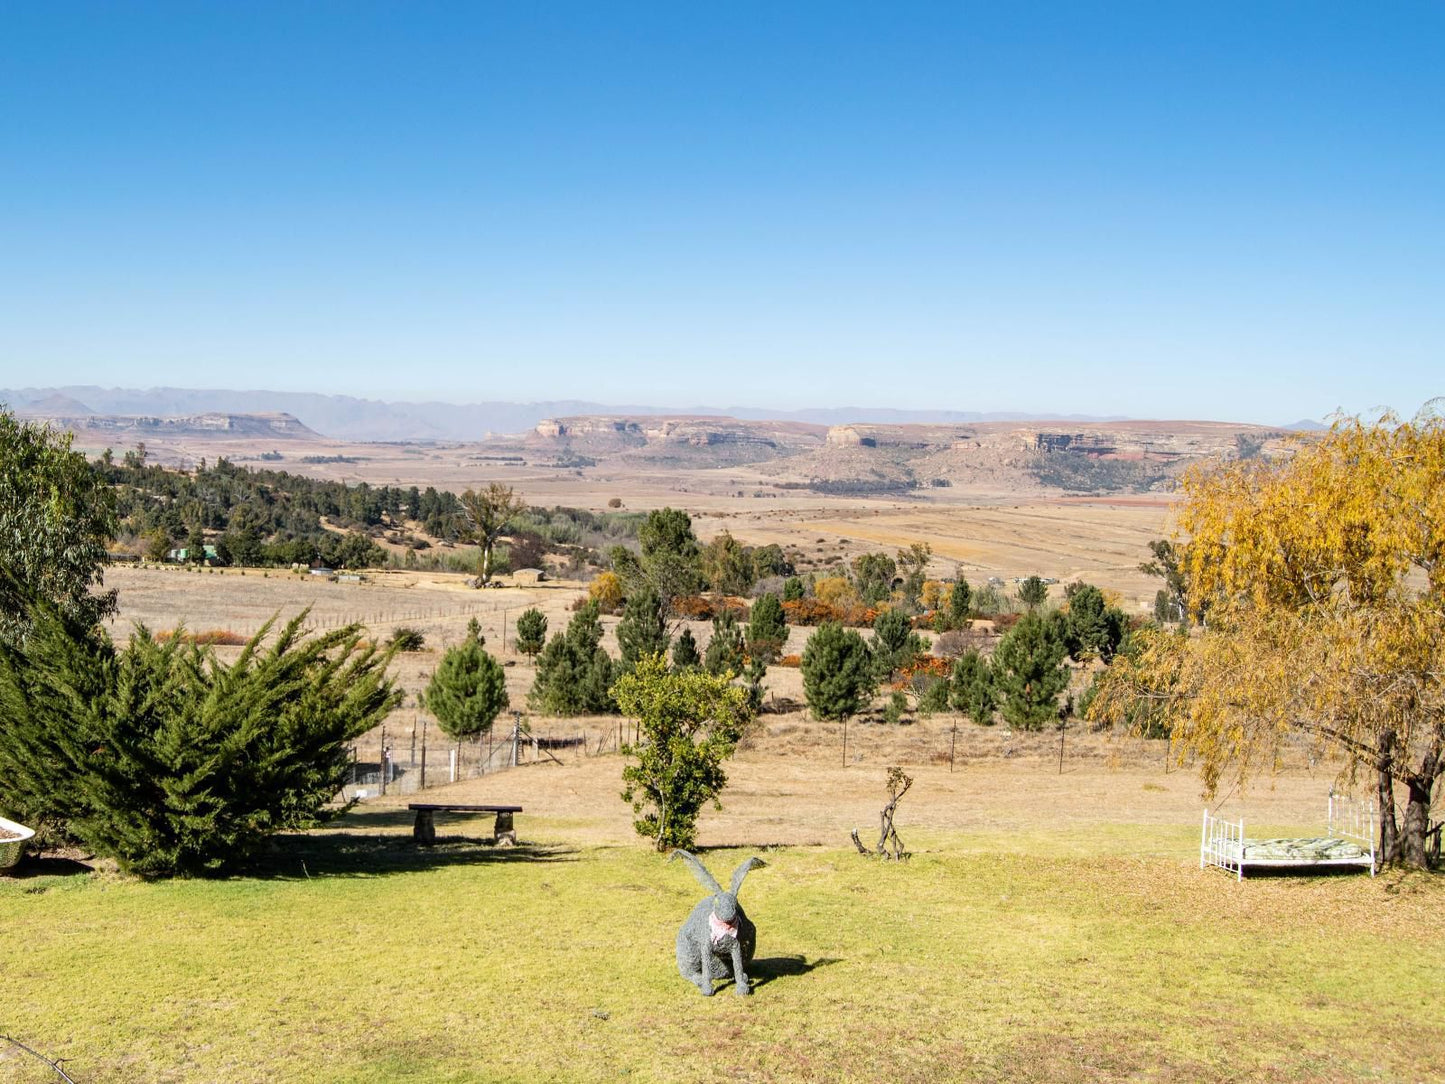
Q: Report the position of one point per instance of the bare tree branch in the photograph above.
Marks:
(54, 1064)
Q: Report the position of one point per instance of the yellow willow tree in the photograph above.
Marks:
(1322, 579)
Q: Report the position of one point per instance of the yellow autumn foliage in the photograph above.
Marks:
(1320, 584)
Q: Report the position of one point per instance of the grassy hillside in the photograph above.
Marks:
(353, 956)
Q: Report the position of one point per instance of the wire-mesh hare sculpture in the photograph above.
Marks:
(718, 939)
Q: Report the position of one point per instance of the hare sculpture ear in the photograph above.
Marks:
(698, 870)
(742, 871)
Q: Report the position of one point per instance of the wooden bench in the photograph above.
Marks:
(424, 831)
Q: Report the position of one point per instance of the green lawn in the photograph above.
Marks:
(355, 957)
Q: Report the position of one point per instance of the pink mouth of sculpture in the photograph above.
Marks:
(720, 929)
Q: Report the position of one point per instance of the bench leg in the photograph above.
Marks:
(506, 835)
(424, 830)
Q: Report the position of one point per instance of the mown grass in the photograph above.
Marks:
(353, 956)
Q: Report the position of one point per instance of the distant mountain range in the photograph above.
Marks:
(349, 418)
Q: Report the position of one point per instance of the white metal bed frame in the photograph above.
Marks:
(1222, 843)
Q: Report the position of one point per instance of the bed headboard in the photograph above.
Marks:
(1351, 818)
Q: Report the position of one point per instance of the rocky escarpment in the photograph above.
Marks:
(696, 440)
(235, 426)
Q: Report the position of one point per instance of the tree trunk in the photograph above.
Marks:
(1389, 852)
(1413, 835)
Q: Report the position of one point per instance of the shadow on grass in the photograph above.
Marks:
(332, 854)
(766, 969)
(358, 845)
(47, 866)
(363, 818)
(1296, 873)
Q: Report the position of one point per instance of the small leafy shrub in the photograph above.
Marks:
(955, 642)
(694, 608)
(606, 591)
(690, 723)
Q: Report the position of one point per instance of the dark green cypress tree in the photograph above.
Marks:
(169, 760)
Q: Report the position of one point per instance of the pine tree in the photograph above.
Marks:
(1029, 671)
(894, 644)
(767, 629)
(837, 672)
(971, 688)
(574, 671)
(958, 604)
(531, 632)
(1032, 592)
(1094, 628)
(468, 690)
(725, 653)
(642, 632)
(684, 652)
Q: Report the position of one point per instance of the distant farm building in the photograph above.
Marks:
(183, 554)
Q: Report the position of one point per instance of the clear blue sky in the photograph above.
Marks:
(1184, 210)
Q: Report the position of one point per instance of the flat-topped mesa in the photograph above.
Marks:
(850, 436)
(1149, 440)
(617, 433)
(1085, 443)
(208, 424)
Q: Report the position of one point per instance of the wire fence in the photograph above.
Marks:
(420, 759)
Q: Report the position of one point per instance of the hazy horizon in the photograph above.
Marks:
(244, 400)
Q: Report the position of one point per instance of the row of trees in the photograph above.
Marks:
(260, 517)
(1024, 678)
(690, 719)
